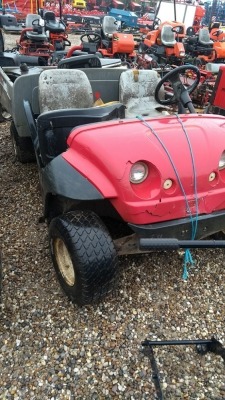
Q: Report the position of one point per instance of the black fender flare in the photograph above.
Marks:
(59, 178)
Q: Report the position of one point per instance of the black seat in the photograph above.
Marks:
(51, 23)
(54, 127)
(190, 31)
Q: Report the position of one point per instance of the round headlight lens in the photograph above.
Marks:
(138, 172)
(222, 161)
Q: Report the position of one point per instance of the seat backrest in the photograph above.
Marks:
(168, 37)
(109, 26)
(190, 31)
(63, 89)
(30, 18)
(204, 36)
(215, 25)
(38, 30)
(137, 92)
(49, 16)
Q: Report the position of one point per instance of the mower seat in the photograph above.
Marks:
(204, 37)
(168, 36)
(37, 34)
(109, 26)
(190, 31)
(137, 92)
(51, 23)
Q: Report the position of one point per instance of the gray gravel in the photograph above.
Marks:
(51, 349)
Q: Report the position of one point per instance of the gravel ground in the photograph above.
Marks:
(51, 349)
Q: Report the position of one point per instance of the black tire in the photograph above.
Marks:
(83, 255)
(23, 146)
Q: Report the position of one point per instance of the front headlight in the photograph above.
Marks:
(138, 172)
(182, 53)
(222, 161)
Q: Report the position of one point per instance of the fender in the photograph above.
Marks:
(219, 48)
(60, 178)
(178, 50)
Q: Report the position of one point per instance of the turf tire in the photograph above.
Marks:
(92, 255)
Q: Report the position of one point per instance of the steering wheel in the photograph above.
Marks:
(217, 33)
(36, 22)
(92, 37)
(180, 92)
(177, 29)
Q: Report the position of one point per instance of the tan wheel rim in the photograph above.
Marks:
(64, 261)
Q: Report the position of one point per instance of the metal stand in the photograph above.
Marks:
(202, 347)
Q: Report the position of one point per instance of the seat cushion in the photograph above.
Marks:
(137, 92)
(63, 89)
(204, 37)
(109, 26)
(168, 36)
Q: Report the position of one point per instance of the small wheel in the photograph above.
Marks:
(22, 146)
(4, 115)
(83, 256)
(92, 37)
(174, 78)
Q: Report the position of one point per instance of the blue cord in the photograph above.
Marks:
(188, 260)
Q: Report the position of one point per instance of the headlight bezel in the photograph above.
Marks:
(144, 174)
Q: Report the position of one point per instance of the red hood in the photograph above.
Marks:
(104, 153)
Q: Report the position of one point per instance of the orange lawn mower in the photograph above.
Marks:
(107, 42)
(165, 43)
(202, 48)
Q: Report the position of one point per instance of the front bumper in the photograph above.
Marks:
(181, 229)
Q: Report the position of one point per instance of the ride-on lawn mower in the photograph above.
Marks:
(112, 185)
(202, 49)
(108, 42)
(164, 43)
(55, 31)
(34, 42)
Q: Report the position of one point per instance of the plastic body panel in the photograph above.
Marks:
(129, 141)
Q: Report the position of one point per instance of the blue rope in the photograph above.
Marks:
(188, 260)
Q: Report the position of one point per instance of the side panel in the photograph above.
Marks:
(60, 178)
(6, 89)
(23, 89)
